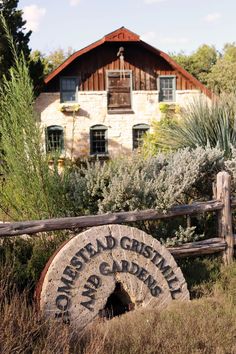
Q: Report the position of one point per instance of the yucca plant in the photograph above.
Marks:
(203, 124)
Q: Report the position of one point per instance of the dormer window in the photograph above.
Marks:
(167, 87)
(69, 89)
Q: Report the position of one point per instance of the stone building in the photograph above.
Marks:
(103, 98)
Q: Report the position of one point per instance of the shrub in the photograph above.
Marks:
(156, 182)
(25, 258)
(201, 124)
(29, 188)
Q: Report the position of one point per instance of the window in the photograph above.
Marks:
(138, 132)
(68, 89)
(54, 138)
(98, 140)
(167, 88)
(119, 91)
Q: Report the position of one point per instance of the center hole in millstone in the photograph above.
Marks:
(117, 303)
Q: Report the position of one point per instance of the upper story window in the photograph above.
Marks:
(54, 138)
(167, 87)
(69, 89)
(98, 140)
(138, 132)
(119, 87)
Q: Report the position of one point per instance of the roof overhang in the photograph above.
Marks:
(124, 35)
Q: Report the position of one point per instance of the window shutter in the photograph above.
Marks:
(119, 90)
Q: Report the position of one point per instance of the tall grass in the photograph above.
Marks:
(203, 124)
(29, 189)
(205, 326)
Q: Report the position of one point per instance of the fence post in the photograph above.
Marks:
(225, 215)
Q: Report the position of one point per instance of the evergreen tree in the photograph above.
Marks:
(15, 23)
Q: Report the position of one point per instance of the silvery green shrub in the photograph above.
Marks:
(162, 181)
(135, 183)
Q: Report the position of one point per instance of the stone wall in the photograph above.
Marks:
(93, 110)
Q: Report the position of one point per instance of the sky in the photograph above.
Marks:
(169, 25)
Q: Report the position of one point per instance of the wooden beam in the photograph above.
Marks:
(198, 248)
(70, 223)
(225, 215)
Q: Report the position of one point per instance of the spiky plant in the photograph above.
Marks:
(203, 124)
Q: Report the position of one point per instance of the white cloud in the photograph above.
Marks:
(74, 2)
(212, 17)
(33, 15)
(153, 1)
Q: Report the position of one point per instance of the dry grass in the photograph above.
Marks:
(206, 326)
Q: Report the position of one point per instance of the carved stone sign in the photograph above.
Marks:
(108, 270)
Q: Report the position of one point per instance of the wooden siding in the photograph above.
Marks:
(145, 66)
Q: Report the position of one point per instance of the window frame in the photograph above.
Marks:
(77, 82)
(173, 77)
(139, 126)
(98, 127)
(120, 110)
(54, 128)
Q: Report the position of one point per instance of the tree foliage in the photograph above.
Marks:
(11, 18)
(200, 62)
(215, 69)
(52, 60)
(15, 24)
(29, 188)
(222, 77)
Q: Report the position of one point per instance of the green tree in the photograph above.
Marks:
(199, 63)
(15, 23)
(30, 188)
(37, 72)
(41, 64)
(222, 77)
(229, 52)
(203, 61)
(57, 57)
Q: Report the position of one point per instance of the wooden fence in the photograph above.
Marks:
(223, 203)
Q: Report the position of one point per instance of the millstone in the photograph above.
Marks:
(108, 270)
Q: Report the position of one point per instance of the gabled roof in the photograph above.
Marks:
(124, 35)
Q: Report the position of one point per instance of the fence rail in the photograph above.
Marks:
(212, 245)
(71, 223)
(222, 205)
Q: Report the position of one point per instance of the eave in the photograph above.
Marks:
(124, 35)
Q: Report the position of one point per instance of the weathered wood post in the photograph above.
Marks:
(225, 215)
